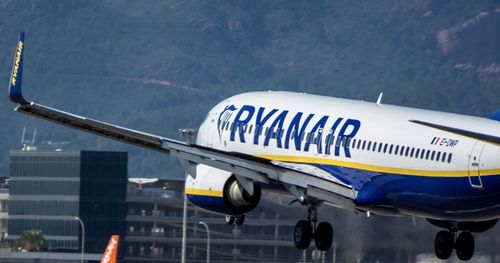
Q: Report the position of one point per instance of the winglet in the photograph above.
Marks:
(111, 251)
(16, 77)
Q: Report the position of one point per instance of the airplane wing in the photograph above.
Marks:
(471, 134)
(300, 182)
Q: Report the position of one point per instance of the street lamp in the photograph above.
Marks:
(208, 240)
(83, 236)
(188, 134)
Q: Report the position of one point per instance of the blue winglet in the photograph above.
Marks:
(15, 84)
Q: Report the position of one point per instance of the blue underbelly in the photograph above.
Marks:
(451, 198)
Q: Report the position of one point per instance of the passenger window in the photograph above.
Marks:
(349, 139)
(267, 131)
(417, 153)
(380, 147)
(407, 151)
(432, 155)
(438, 156)
(412, 152)
(232, 126)
(396, 150)
(385, 147)
(353, 143)
(422, 152)
(337, 143)
(250, 130)
(374, 146)
(449, 157)
(390, 149)
(427, 153)
(444, 157)
(369, 145)
(364, 144)
(402, 150)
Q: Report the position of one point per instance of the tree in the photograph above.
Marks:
(31, 240)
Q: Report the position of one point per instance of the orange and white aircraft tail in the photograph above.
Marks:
(111, 251)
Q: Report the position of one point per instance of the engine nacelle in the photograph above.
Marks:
(219, 191)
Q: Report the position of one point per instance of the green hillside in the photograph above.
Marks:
(160, 65)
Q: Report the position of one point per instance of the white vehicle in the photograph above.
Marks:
(356, 155)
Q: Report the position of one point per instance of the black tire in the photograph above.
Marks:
(465, 246)
(230, 219)
(323, 236)
(302, 234)
(240, 220)
(443, 245)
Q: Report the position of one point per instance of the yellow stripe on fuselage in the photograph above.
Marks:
(204, 192)
(376, 168)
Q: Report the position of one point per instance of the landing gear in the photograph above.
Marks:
(443, 245)
(465, 246)
(446, 241)
(239, 220)
(306, 230)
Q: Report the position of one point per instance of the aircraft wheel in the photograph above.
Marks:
(240, 220)
(465, 246)
(443, 245)
(323, 236)
(302, 234)
(230, 219)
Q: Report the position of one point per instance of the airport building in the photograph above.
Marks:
(51, 190)
(154, 229)
(4, 208)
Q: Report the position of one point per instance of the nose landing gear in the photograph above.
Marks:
(306, 230)
(446, 241)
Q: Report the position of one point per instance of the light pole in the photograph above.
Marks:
(208, 240)
(83, 236)
(188, 134)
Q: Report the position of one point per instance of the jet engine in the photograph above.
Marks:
(219, 191)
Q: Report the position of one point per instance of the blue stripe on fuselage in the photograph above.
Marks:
(437, 197)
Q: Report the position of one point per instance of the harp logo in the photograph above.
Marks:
(17, 62)
(224, 117)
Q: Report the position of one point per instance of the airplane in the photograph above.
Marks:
(111, 250)
(357, 155)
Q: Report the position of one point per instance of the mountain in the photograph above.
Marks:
(159, 66)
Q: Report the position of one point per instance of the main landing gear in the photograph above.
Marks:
(446, 241)
(239, 220)
(306, 230)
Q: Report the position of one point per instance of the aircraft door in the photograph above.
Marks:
(475, 165)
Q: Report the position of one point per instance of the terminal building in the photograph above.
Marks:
(51, 190)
